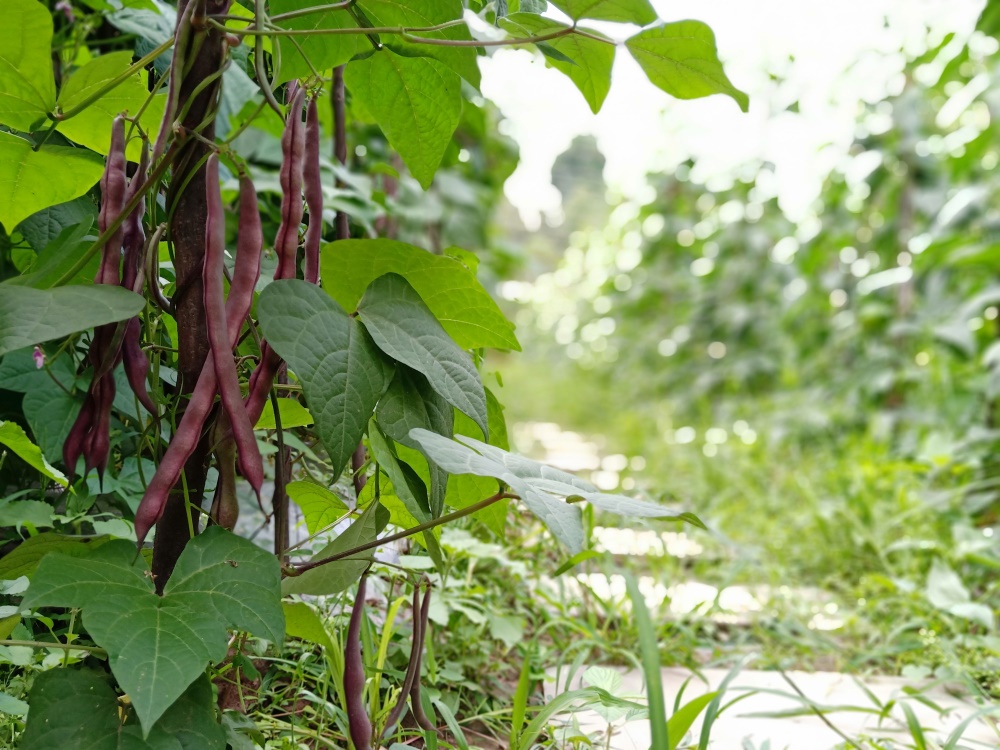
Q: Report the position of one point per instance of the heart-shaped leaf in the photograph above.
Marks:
(27, 85)
(343, 373)
(405, 329)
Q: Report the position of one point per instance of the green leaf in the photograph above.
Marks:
(408, 486)
(319, 506)
(92, 126)
(16, 513)
(302, 621)
(337, 576)
(44, 227)
(685, 716)
(681, 59)
(404, 328)
(411, 402)
(447, 287)
(416, 101)
(649, 650)
(639, 12)
(586, 62)
(462, 60)
(343, 373)
(50, 413)
(292, 413)
(33, 180)
(19, 373)
(234, 579)
(14, 437)
(31, 316)
(157, 646)
(59, 256)
(324, 51)
(562, 519)
(24, 559)
(79, 708)
(27, 85)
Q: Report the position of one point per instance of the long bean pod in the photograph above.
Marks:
(286, 243)
(314, 194)
(359, 724)
(415, 704)
(251, 464)
(412, 668)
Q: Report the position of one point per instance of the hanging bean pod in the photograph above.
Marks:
(359, 724)
(314, 194)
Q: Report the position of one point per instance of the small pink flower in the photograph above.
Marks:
(39, 356)
(67, 9)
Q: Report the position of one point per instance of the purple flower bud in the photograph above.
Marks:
(39, 356)
(67, 9)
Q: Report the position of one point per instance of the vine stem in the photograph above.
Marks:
(98, 652)
(295, 570)
(314, 9)
(114, 82)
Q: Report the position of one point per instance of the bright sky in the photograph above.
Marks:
(828, 56)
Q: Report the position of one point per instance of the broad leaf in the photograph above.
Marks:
(33, 180)
(302, 621)
(79, 708)
(13, 436)
(27, 85)
(292, 413)
(204, 580)
(411, 402)
(60, 255)
(404, 328)
(407, 484)
(31, 316)
(91, 127)
(157, 646)
(323, 51)
(587, 61)
(337, 576)
(18, 513)
(50, 413)
(681, 59)
(416, 101)
(24, 558)
(460, 59)
(20, 373)
(447, 287)
(343, 373)
(639, 12)
(42, 228)
(319, 506)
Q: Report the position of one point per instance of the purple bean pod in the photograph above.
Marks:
(314, 194)
(354, 675)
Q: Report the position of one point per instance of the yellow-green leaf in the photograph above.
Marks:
(27, 84)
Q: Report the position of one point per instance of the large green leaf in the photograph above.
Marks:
(50, 412)
(12, 436)
(33, 180)
(292, 413)
(31, 316)
(24, 559)
(445, 284)
(343, 373)
(460, 59)
(589, 61)
(303, 622)
(681, 59)
(337, 576)
(203, 581)
(43, 227)
(27, 85)
(91, 127)
(624, 11)
(411, 402)
(416, 101)
(60, 255)
(78, 708)
(408, 486)
(324, 51)
(157, 646)
(20, 373)
(319, 506)
(405, 329)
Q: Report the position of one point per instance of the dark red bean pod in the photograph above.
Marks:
(114, 182)
(225, 505)
(314, 194)
(246, 270)
(412, 668)
(73, 447)
(415, 704)
(354, 675)
(286, 243)
(220, 348)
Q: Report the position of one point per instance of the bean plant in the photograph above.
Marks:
(192, 361)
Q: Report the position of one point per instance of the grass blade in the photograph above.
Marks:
(650, 651)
